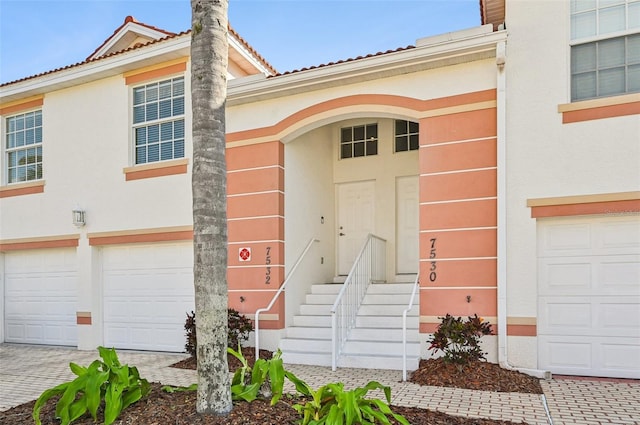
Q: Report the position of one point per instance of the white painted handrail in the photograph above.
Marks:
(275, 297)
(416, 285)
(370, 265)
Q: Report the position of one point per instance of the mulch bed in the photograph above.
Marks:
(161, 408)
(482, 376)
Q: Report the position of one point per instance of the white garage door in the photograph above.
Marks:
(40, 297)
(148, 289)
(589, 296)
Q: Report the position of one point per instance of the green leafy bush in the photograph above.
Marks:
(106, 383)
(239, 328)
(331, 404)
(265, 379)
(460, 339)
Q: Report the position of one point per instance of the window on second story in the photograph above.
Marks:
(158, 121)
(406, 136)
(360, 140)
(605, 48)
(24, 147)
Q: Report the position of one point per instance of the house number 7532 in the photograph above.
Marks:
(267, 277)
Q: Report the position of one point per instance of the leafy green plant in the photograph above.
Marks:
(106, 382)
(265, 379)
(239, 328)
(460, 339)
(331, 404)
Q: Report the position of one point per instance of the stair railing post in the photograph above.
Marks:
(277, 294)
(416, 284)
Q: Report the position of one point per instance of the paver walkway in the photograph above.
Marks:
(26, 371)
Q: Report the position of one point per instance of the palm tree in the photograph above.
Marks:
(209, 56)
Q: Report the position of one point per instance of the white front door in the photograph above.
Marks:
(356, 214)
(407, 218)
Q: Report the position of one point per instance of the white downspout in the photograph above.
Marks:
(501, 57)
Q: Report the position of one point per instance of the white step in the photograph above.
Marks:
(326, 288)
(316, 359)
(306, 345)
(308, 332)
(386, 310)
(384, 322)
(383, 348)
(387, 299)
(390, 288)
(315, 309)
(383, 334)
(312, 321)
(377, 362)
(328, 299)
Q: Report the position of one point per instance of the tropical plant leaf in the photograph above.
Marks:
(44, 397)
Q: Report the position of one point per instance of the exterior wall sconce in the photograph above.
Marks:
(79, 217)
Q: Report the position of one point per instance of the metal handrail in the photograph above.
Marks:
(416, 284)
(367, 267)
(277, 294)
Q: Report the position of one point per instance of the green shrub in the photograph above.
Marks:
(460, 339)
(265, 379)
(239, 328)
(331, 404)
(105, 382)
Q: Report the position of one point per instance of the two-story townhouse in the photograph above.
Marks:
(499, 164)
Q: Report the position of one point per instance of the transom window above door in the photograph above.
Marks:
(359, 140)
(406, 136)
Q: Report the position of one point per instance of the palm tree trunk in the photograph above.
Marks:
(209, 56)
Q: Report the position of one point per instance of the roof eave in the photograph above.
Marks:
(254, 88)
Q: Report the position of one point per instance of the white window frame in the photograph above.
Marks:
(174, 141)
(353, 141)
(598, 37)
(408, 134)
(23, 134)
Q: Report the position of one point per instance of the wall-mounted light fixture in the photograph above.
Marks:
(79, 217)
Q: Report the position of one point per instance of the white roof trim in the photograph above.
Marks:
(134, 27)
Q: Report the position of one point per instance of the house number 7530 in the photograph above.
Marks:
(432, 255)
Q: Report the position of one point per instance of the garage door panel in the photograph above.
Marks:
(620, 236)
(601, 356)
(597, 275)
(606, 316)
(564, 239)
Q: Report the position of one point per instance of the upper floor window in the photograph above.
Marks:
(360, 140)
(605, 48)
(158, 121)
(24, 147)
(406, 136)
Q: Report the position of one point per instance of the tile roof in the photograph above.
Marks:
(324, 65)
(169, 36)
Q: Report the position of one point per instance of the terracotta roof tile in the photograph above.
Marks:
(137, 46)
(170, 35)
(324, 65)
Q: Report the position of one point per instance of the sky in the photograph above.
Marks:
(41, 35)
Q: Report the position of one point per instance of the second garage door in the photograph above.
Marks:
(589, 296)
(148, 289)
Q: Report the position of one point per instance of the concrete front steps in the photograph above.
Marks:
(375, 342)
